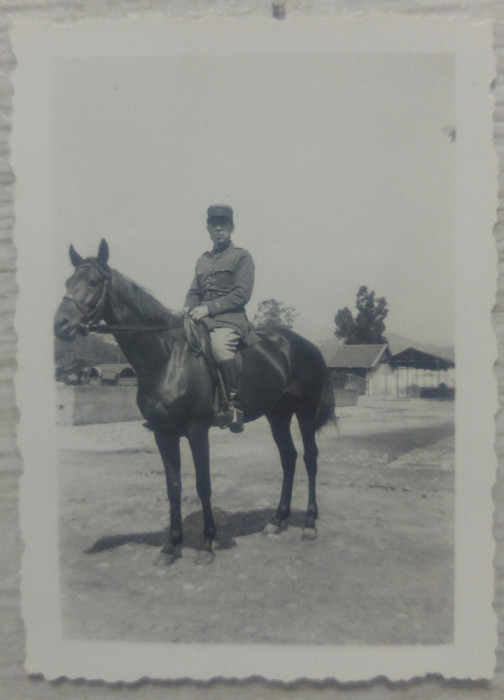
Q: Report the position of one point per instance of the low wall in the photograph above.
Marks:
(345, 397)
(82, 405)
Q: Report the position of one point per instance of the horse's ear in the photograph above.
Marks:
(103, 252)
(75, 257)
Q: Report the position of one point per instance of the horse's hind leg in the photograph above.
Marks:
(197, 434)
(280, 428)
(307, 428)
(169, 448)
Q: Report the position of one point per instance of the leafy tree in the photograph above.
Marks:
(271, 312)
(367, 326)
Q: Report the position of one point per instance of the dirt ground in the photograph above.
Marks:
(380, 571)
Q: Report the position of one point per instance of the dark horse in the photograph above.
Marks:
(282, 375)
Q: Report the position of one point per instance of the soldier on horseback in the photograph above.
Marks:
(285, 374)
(221, 287)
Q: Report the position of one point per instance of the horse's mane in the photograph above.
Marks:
(137, 299)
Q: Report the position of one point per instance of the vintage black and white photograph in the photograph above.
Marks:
(255, 348)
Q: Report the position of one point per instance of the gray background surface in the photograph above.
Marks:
(13, 681)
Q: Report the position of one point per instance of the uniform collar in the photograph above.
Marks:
(218, 254)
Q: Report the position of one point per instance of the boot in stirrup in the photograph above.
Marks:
(232, 416)
(236, 425)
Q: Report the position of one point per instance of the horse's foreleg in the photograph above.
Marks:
(280, 429)
(169, 448)
(197, 435)
(307, 429)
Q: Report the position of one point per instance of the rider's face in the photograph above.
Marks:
(220, 229)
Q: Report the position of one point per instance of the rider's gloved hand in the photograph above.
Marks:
(199, 312)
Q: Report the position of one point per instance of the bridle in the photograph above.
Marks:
(87, 326)
(89, 316)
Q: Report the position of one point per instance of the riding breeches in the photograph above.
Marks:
(224, 343)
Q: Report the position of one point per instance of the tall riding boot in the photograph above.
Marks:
(230, 378)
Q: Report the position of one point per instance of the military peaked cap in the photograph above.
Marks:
(220, 210)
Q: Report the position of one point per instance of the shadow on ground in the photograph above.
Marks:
(229, 526)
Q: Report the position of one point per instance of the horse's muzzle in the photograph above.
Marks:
(64, 329)
(67, 321)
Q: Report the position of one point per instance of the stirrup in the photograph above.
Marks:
(223, 419)
(231, 418)
(236, 425)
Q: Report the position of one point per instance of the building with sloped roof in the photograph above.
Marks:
(356, 357)
(409, 373)
(417, 359)
(354, 363)
(422, 374)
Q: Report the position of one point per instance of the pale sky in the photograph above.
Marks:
(340, 170)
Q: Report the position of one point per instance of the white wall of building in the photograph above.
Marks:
(385, 381)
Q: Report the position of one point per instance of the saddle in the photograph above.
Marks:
(198, 340)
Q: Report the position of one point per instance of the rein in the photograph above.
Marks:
(105, 328)
(191, 331)
(186, 322)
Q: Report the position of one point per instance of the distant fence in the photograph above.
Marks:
(83, 405)
(433, 392)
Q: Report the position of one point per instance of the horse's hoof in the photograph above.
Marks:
(204, 557)
(164, 559)
(168, 558)
(309, 533)
(272, 529)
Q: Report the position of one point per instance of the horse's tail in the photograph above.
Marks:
(325, 407)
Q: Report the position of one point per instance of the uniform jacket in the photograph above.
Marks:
(223, 282)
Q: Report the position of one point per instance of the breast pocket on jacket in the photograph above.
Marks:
(224, 278)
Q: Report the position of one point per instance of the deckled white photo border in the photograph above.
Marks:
(36, 46)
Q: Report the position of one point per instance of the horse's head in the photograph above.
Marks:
(86, 293)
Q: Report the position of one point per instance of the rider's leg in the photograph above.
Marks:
(224, 345)
(230, 377)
